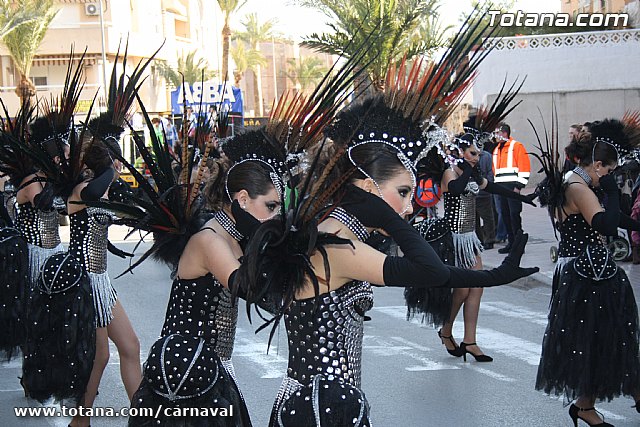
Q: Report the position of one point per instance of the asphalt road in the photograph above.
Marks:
(408, 377)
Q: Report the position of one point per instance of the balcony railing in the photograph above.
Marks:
(552, 41)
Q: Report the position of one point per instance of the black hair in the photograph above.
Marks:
(585, 150)
(98, 156)
(505, 128)
(252, 176)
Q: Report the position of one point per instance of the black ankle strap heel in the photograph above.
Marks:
(478, 357)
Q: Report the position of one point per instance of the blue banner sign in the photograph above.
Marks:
(209, 93)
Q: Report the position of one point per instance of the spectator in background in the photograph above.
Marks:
(484, 205)
(157, 128)
(569, 164)
(511, 168)
(170, 132)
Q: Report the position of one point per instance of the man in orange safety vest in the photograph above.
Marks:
(511, 168)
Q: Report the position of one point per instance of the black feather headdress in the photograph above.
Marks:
(482, 124)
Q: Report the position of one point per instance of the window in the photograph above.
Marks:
(182, 28)
(39, 81)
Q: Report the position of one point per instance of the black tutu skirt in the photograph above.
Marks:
(61, 332)
(433, 304)
(14, 282)
(185, 384)
(590, 346)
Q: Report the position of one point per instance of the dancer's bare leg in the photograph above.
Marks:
(124, 337)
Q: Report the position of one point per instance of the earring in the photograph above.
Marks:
(244, 207)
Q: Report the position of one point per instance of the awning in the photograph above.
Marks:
(43, 60)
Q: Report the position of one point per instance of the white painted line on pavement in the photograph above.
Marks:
(513, 311)
(272, 365)
(381, 347)
(509, 345)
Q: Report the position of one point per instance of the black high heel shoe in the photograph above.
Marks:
(574, 413)
(478, 357)
(457, 351)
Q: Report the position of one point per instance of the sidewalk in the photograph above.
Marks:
(536, 222)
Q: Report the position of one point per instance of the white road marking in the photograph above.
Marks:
(271, 365)
(381, 346)
(508, 345)
(515, 312)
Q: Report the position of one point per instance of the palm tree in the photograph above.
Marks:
(24, 40)
(398, 22)
(253, 34)
(245, 59)
(228, 7)
(187, 66)
(306, 72)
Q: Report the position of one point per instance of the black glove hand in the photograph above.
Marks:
(43, 201)
(246, 223)
(371, 210)
(529, 198)
(608, 183)
(510, 267)
(118, 252)
(476, 174)
(465, 166)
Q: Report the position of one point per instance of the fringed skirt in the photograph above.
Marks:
(14, 285)
(104, 298)
(208, 388)
(433, 304)
(37, 256)
(61, 342)
(467, 247)
(590, 346)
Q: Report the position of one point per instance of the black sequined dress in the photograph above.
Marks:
(590, 346)
(325, 334)
(89, 234)
(454, 239)
(199, 308)
(40, 230)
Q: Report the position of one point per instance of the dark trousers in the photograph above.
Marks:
(485, 212)
(511, 210)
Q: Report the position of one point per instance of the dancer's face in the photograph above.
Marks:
(397, 191)
(472, 155)
(263, 207)
(599, 170)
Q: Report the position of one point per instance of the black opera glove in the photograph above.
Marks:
(476, 175)
(607, 222)
(505, 192)
(372, 211)
(246, 224)
(507, 272)
(628, 223)
(43, 201)
(118, 252)
(608, 183)
(96, 188)
(458, 185)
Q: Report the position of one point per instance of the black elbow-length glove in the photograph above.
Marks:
(458, 185)
(607, 222)
(503, 191)
(420, 265)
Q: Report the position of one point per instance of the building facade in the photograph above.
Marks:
(183, 26)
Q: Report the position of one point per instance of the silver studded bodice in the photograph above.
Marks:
(89, 231)
(38, 227)
(202, 307)
(576, 235)
(325, 337)
(460, 210)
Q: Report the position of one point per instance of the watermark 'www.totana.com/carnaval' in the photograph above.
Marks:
(522, 19)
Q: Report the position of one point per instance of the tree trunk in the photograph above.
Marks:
(257, 94)
(25, 90)
(362, 85)
(237, 76)
(226, 37)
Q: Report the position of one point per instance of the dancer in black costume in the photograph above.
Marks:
(323, 271)
(202, 250)
(454, 236)
(590, 346)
